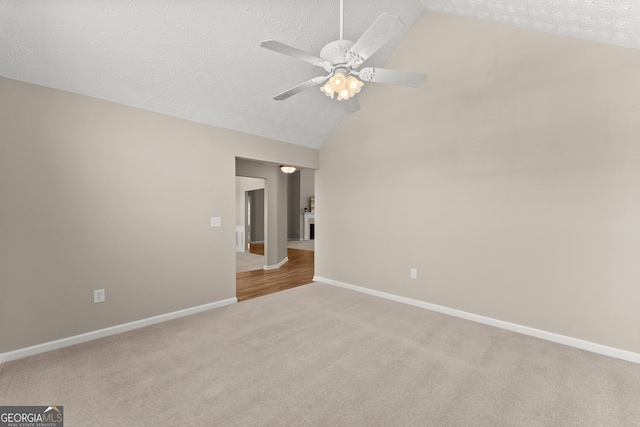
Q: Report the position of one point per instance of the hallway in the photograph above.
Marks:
(295, 272)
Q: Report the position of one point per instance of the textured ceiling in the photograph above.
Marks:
(201, 60)
(606, 21)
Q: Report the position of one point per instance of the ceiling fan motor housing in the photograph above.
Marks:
(336, 52)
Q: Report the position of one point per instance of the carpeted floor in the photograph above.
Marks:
(319, 355)
(305, 245)
(246, 261)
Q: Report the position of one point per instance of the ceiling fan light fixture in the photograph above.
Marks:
(336, 82)
(327, 90)
(343, 94)
(354, 85)
(287, 169)
(345, 86)
(342, 59)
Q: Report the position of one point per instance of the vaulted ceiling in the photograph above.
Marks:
(202, 60)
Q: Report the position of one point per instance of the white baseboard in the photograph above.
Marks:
(101, 333)
(276, 266)
(549, 336)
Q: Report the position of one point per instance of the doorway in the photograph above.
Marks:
(254, 221)
(272, 218)
(250, 223)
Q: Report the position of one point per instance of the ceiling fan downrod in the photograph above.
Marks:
(341, 19)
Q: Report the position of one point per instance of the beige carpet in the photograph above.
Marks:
(305, 245)
(246, 261)
(319, 355)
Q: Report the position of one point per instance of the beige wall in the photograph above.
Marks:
(511, 181)
(96, 195)
(307, 188)
(304, 186)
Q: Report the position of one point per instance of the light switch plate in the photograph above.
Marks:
(98, 296)
(216, 221)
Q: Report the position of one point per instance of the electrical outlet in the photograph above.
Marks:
(98, 296)
(413, 273)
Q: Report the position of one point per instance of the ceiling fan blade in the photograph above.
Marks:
(351, 105)
(316, 81)
(377, 35)
(296, 53)
(394, 77)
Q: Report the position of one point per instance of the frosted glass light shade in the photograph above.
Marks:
(344, 86)
(287, 169)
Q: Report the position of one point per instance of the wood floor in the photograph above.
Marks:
(295, 272)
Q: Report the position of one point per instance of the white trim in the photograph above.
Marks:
(240, 245)
(101, 333)
(545, 335)
(276, 266)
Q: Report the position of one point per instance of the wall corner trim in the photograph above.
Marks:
(101, 333)
(537, 333)
(276, 266)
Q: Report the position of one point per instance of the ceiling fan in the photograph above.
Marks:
(342, 58)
